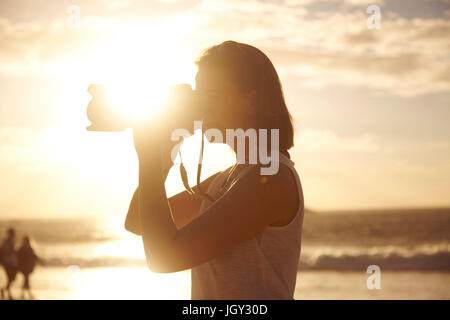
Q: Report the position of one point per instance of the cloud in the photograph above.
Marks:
(368, 170)
(405, 57)
(311, 140)
(31, 44)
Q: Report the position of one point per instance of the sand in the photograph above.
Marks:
(61, 283)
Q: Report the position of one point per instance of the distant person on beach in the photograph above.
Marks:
(26, 261)
(241, 231)
(9, 261)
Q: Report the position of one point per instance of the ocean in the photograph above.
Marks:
(96, 258)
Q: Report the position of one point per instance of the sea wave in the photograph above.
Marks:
(393, 241)
(421, 258)
(435, 258)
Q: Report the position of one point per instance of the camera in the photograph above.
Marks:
(179, 108)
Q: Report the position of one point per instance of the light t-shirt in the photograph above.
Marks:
(263, 267)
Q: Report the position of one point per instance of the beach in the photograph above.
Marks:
(58, 283)
(98, 259)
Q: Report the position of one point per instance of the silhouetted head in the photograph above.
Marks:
(11, 233)
(243, 90)
(26, 241)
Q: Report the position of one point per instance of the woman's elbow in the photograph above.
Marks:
(156, 267)
(134, 228)
(162, 264)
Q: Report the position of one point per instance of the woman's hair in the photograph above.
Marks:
(27, 240)
(250, 69)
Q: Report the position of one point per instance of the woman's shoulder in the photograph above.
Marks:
(283, 180)
(281, 186)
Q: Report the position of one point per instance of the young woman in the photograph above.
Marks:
(27, 259)
(242, 237)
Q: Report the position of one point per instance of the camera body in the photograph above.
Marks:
(180, 107)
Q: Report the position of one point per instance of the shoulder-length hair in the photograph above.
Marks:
(250, 69)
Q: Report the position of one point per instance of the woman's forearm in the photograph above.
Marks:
(157, 225)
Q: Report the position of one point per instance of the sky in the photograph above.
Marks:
(371, 106)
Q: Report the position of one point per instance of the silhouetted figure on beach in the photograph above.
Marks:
(26, 261)
(9, 261)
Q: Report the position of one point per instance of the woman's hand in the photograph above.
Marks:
(179, 110)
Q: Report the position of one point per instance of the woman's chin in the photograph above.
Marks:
(213, 140)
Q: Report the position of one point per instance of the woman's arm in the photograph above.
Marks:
(38, 259)
(247, 208)
(184, 208)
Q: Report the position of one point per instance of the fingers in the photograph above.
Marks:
(182, 107)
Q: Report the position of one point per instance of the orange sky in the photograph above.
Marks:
(371, 106)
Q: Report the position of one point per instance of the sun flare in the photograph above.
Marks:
(139, 64)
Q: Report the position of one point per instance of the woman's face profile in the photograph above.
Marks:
(225, 106)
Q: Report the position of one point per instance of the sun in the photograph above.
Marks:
(140, 63)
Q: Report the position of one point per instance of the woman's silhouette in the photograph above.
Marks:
(9, 260)
(243, 239)
(26, 261)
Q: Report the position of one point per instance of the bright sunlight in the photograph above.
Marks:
(140, 63)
